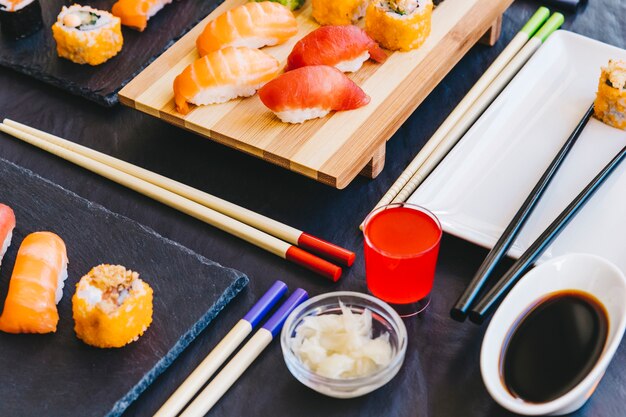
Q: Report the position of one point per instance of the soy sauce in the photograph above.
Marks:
(554, 346)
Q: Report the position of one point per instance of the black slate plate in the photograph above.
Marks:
(36, 55)
(56, 374)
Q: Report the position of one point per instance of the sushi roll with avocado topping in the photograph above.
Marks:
(20, 18)
(112, 307)
(338, 12)
(85, 35)
(610, 104)
(399, 25)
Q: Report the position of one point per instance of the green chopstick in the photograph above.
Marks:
(452, 135)
(440, 137)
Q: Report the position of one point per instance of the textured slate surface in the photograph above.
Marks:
(56, 374)
(441, 374)
(36, 55)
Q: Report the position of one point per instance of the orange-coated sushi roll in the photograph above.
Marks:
(36, 285)
(253, 25)
(610, 104)
(338, 12)
(399, 25)
(223, 75)
(136, 13)
(112, 307)
(85, 35)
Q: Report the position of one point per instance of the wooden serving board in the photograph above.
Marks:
(334, 149)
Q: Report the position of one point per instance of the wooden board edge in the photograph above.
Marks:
(343, 179)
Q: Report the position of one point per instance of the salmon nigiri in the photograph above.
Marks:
(343, 47)
(223, 75)
(7, 224)
(311, 92)
(36, 285)
(136, 13)
(254, 25)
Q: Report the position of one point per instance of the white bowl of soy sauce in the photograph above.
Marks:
(552, 338)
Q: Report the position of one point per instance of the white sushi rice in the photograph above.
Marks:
(402, 9)
(353, 65)
(61, 282)
(254, 42)
(105, 19)
(7, 5)
(5, 245)
(92, 295)
(223, 94)
(301, 115)
(156, 7)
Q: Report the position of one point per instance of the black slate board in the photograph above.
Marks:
(56, 374)
(36, 55)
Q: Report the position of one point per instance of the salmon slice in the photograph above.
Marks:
(36, 285)
(7, 224)
(342, 47)
(136, 13)
(223, 75)
(310, 92)
(253, 24)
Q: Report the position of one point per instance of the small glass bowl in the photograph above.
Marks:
(384, 319)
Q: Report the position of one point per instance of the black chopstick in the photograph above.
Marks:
(482, 309)
(463, 304)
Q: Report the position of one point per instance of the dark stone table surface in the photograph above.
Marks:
(441, 375)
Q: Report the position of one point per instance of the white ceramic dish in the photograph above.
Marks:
(480, 185)
(583, 272)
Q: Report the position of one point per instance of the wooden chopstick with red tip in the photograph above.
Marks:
(255, 228)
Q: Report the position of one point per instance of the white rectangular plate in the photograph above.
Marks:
(480, 185)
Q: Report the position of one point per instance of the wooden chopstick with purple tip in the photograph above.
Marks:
(179, 399)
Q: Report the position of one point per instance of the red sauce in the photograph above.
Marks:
(401, 251)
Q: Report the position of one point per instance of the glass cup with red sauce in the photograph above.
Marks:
(401, 249)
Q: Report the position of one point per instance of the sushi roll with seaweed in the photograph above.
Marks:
(610, 104)
(20, 18)
(36, 286)
(399, 25)
(85, 35)
(338, 12)
(112, 307)
(7, 224)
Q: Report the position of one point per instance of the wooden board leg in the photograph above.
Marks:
(376, 164)
(493, 33)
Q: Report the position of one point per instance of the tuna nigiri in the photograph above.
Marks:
(311, 92)
(7, 224)
(36, 285)
(136, 13)
(223, 75)
(343, 47)
(254, 25)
